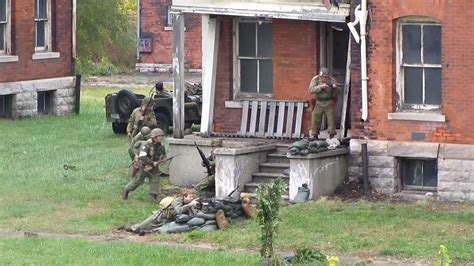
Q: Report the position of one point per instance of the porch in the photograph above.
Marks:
(248, 162)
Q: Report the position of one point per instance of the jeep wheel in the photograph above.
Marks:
(126, 102)
(163, 122)
(119, 128)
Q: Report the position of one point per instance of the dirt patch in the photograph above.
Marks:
(351, 191)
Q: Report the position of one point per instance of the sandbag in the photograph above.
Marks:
(196, 221)
(221, 220)
(182, 218)
(174, 227)
(206, 216)
(208, 227)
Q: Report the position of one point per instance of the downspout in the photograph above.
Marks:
(138, 29)
(363, 59)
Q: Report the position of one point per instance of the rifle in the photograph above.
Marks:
(167, 159)
(205, 161)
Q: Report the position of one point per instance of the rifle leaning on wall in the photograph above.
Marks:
(205, 161)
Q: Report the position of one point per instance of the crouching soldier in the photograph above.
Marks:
(137, 141)
(209, 181)
(169, 208)
(150, 156)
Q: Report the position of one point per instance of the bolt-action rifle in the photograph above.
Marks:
(205, 161)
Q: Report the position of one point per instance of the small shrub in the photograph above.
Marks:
(305, 255)
(443, 256)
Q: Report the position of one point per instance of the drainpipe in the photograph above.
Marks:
(363, 58)
(138, 29)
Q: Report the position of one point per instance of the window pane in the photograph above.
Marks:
(413, 173)
(3, 10)
(411, 44)
(432, 44)
(433, 85)
(430, 173)
(247, 39)
(2, 37)
(41, 9)
(413, 91)
(41, 102)
(248, 75)
(266, 76)
(40, 34)
(265, 40)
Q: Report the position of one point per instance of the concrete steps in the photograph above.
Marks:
(273, 168)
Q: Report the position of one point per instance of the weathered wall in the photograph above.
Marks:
(295, 60)
(457, 58)
(154, 24)
(390, 140)
(23, 44)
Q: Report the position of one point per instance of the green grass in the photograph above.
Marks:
(39, 251)
(37, 194)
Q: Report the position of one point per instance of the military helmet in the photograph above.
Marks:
(166, 202)
(216, 142)
(146, 131)
(157, 132)
(324, 71)
(146, 100)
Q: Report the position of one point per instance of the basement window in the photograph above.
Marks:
(45, 102)
(253, 57)
(6, 106)
(419, 174)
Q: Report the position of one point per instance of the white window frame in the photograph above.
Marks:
(401, 105)
(47, 28)
(236, 58)
(5, 54)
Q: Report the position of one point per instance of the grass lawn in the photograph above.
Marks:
(38, 194)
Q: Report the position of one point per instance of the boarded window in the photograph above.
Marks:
(419, 174)
(420, 53)
(255, 51)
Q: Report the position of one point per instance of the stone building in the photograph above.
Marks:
(155, 24)
(37, 46)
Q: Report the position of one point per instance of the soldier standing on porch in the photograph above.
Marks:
(324, 88)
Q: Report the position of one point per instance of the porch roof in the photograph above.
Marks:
(296, 10)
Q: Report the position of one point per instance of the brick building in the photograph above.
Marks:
(156, 38)
(419, 129)
(36, 58)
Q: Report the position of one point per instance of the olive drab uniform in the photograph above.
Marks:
(149, 152)
(209, 180)
(135, 144)
(137, 120)
(162, 216)
(325, 103)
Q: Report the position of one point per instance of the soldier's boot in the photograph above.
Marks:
(125, 227)
(125, 194)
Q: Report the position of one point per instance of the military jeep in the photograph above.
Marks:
(119, 107)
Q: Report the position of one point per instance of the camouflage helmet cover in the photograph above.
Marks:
(157, 132)
(146, 131)
(166, 202)
(216, 142)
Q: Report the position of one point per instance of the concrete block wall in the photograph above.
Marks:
(455, 166)
(154, 24)
(24, 100)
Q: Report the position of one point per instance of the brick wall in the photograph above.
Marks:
(457, 69)
(295, 59)
(154, 19)
(23, 44)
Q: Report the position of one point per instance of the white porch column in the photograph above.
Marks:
(178, 75)
(210, 48)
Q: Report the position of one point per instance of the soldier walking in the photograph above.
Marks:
(137, 141)
(324, 88)
(150, 156)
